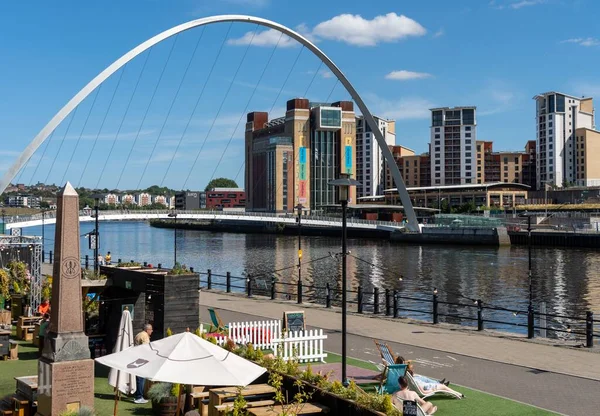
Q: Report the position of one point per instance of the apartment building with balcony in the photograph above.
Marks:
(558, 116)
(452, 145)
(370, 164)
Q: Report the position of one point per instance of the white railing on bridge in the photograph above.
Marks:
(50, 217)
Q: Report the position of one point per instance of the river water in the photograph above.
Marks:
(568, 280)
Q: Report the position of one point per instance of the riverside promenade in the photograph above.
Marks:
(549, 374)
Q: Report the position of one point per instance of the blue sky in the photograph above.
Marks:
(403, 57)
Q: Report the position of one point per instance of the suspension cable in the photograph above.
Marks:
(171, 106)
(41, 158)
(247, 105)
(137, 135)
(220, 108)
(137, 83)
(187, 125)
(61, 143)
(81, 133)
(275, 101)
(87, 163)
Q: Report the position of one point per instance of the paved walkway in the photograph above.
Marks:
(564, 380)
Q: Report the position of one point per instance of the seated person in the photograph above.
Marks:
(428, 385)
(405, 394)
(44, 307)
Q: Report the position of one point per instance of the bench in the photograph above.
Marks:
(249, 405)
(302, 409)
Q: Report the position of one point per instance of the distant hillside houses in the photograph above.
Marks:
(141, 199)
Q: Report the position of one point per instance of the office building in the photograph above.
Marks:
(219, 198)
(290, 160)
(587, 151)
(452, 149)
(557, 117)
(529, 162)
(370, 164)
(187, 200)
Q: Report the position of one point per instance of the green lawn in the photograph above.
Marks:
(26, 365)
(475, 402)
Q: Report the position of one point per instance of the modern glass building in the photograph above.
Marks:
(290, 160)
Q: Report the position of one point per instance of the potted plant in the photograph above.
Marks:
(164, 398)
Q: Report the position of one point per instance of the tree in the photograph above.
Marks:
(221, 183)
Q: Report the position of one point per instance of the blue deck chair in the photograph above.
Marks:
(216, 320)
(391, 374)
(387, 356)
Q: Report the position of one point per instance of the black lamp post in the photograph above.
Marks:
(43, 237)
(299, 207)
(3, 221)
(173, 214)
(344, 183)
(530, 322)
(96, 233)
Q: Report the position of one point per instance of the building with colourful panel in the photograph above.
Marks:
(291, 160)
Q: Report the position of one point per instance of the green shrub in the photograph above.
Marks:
(159, 392)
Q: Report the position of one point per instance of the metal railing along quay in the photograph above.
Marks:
(427, 307)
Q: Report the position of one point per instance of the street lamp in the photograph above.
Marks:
(173, 214)
(96, 241)
(299, 208)
(344, 183)
(3, 221)
(530, 331)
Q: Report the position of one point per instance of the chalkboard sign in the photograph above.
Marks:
(409, 408)
(294, 321)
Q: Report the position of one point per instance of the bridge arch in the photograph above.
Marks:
(115, 66)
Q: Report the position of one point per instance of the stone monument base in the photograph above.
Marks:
(66, 347)
(64, 386)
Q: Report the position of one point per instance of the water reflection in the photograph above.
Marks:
(567, 279)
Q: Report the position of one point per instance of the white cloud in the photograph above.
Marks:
(409, 108)
(583, 41)
(512, 4)
(404, 75)
(325, 73)
(356, 30)
(269, 37)
(249, 3)
(439, 33)
(525, 3)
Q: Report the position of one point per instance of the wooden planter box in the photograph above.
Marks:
(337, 405)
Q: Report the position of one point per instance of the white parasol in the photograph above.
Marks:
(124, 382)
(187, 359)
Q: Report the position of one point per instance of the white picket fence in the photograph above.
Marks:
(305, 346)
(259, 333)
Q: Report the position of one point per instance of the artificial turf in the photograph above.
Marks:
(476, 402)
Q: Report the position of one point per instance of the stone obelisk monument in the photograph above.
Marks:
(65, 371)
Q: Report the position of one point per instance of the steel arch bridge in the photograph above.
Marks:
(115, 66)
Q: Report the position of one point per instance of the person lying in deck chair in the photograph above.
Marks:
(428, 385)
(405, 394)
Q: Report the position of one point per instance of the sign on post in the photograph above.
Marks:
(409, 408)
(294, 321)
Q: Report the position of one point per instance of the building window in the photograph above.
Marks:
(437, 175)
(437, 129)
(467, 147)
(467, 160)
(468, 141)
(437, 136)
(437, 149)
(468, 180)
(468, 154)
(437, 142)
(468, 128)
(467, 134)
(479, 168)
